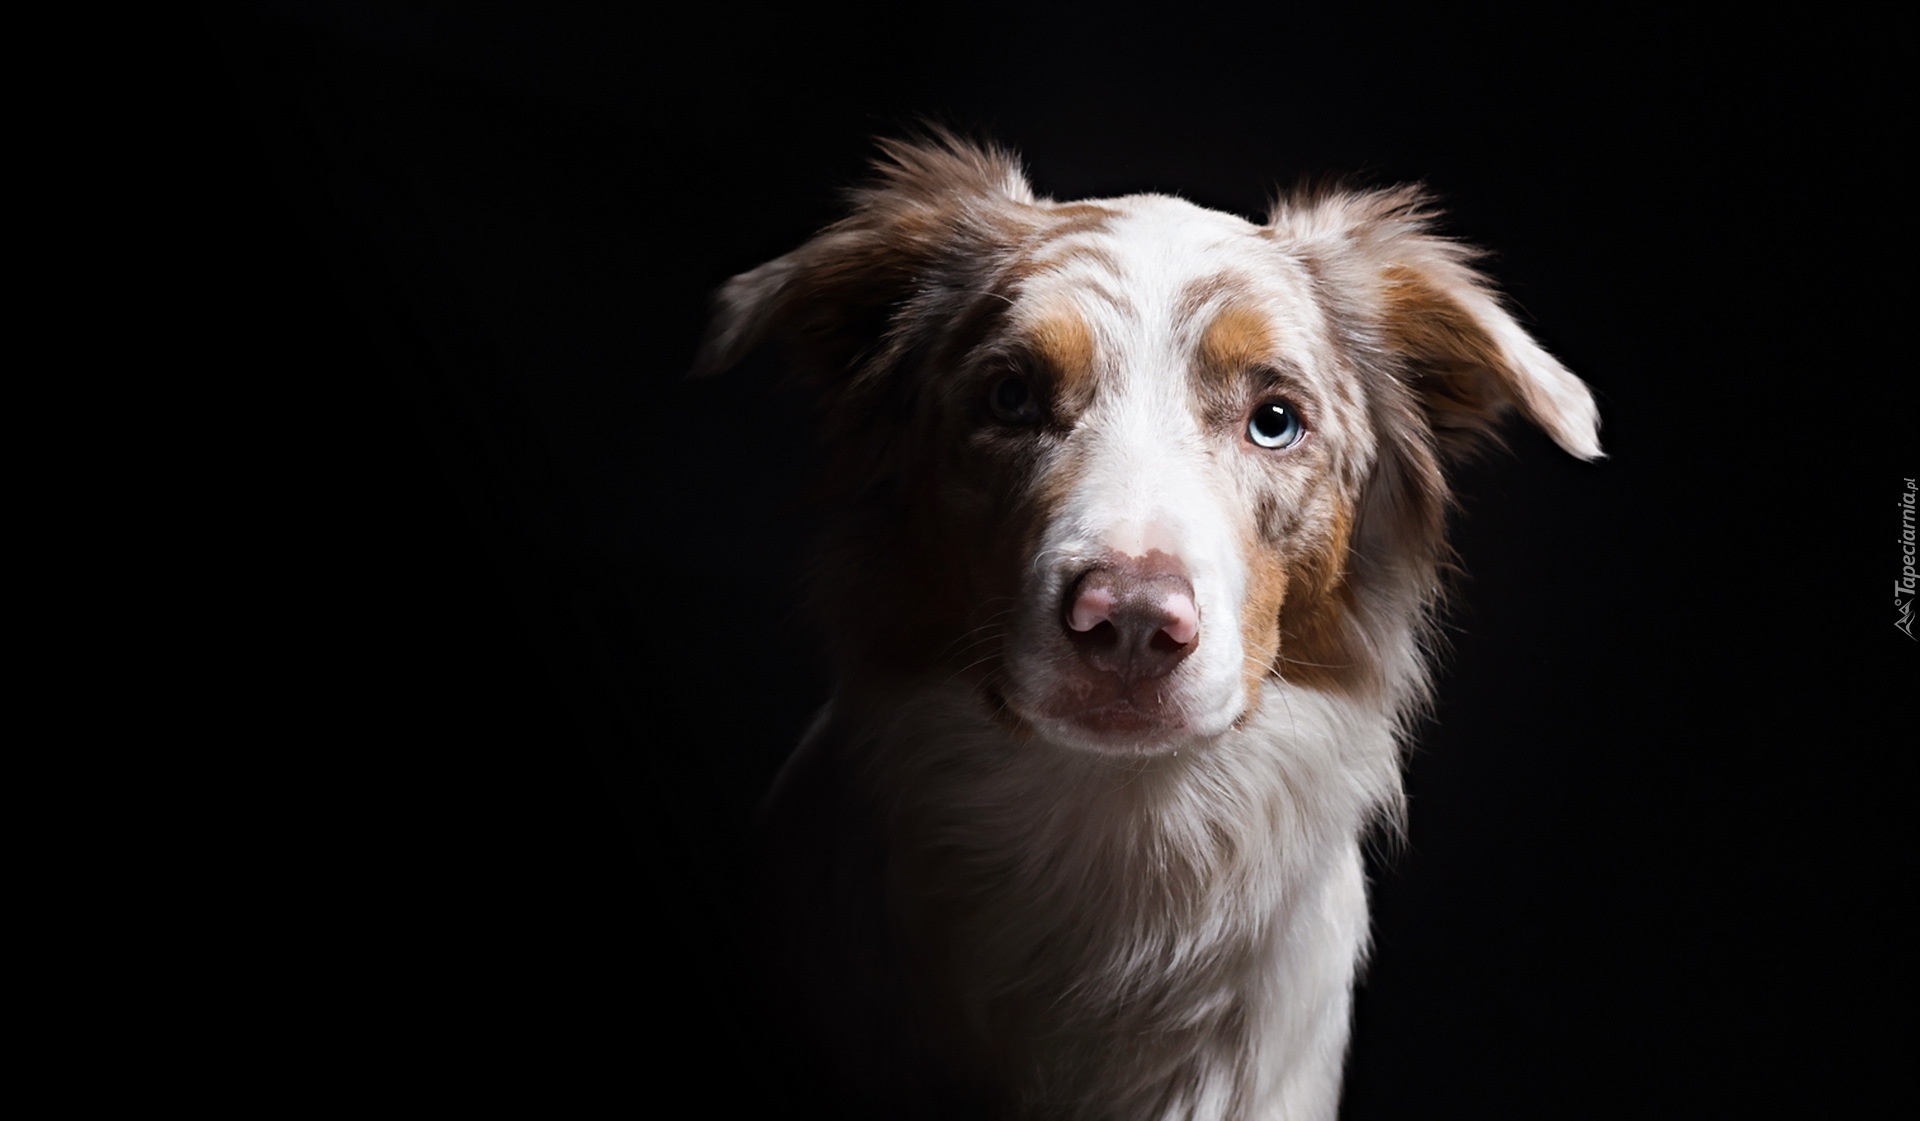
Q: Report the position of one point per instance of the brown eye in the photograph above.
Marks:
(1276, 424)
(1013, 401)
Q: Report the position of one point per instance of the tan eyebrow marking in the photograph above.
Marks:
(1237, 338)
(1063, 342)
(1236, 341)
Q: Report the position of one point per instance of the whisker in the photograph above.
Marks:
(970, 665)
(1319, 665)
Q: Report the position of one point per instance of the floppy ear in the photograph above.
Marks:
(1416, 296)
(820, 293)
(938, 212)
(745, 311)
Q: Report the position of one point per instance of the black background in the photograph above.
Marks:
(519, 599)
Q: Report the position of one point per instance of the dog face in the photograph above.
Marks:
(1118, 464)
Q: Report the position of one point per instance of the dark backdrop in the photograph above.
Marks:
(526, 591)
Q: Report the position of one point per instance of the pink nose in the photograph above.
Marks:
(1133, 616)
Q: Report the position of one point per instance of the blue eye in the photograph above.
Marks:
(1275, 424)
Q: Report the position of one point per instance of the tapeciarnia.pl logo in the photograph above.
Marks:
(1903, 588)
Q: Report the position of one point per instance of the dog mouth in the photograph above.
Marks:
(1126, 717)
(1146, 722)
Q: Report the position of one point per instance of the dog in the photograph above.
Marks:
(1132, 527)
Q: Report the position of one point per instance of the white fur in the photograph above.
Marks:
(1222, 886)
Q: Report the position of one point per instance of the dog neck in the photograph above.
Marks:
(1067, 900)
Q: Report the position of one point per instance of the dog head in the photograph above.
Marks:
(1117, 464)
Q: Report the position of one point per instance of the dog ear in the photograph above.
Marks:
(1415, 295)
(798, 295)
(938, 210)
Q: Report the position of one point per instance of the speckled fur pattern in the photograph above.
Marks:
(1005, 884)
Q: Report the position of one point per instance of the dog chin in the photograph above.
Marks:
(1124, 727)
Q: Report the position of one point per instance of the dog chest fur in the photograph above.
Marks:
(1160, 937)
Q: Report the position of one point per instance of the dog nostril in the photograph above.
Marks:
(1091, 604)
(1182, 624)
(1101, 636)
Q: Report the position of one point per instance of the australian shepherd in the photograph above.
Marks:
(1133, 533)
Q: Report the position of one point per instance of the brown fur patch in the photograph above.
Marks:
(1066, 219)
(1269, 520)
(1294, 622)
(1054, 224)
(1459, 366)
(1059, 257)
(1235, 342)
(1238, 338)
(1063, 342)
(1316, 648)
(1267, 580)
(1428, 323)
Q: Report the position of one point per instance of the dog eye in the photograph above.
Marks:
(1276, 424)
(1013, 402)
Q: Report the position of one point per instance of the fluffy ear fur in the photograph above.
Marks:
(937, 214)
(861, 306)
(1443, 361)
(1415, 295)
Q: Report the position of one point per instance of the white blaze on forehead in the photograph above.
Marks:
(1148, 476)
(1151, 278)
(1154, 278)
